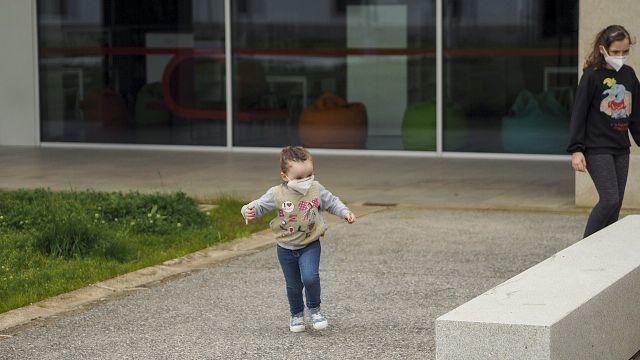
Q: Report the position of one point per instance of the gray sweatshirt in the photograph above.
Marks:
(267, 202)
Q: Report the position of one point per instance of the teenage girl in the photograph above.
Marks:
(606, 109)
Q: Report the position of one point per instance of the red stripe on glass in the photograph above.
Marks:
(319, 52)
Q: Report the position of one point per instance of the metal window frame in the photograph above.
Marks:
(36, 71)
(318, 151)
(439, 78)
(228, 61)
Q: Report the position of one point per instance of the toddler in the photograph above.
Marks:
(300, 201)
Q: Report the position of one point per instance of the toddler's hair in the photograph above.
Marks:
(293, 153)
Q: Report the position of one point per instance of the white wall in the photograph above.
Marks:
(18, 95)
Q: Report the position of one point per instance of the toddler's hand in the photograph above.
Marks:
(351, 218)
(250, 214)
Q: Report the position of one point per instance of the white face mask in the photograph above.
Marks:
(616, 62)
(301, 185)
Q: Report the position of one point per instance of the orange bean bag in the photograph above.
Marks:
(105, 107)
(331, 122)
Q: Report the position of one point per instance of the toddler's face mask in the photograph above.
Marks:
(301, 185)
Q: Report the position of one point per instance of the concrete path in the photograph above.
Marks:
(385, 280)
(424, 181)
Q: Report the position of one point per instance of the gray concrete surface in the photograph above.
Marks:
(385, 281)
(424, 181)
(581, 303)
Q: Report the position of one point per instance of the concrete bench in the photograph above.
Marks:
(582, 303)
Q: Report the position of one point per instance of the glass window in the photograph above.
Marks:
(509, 75)
(132, 71)
(356, 74)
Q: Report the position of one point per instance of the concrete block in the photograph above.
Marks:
(581, 303)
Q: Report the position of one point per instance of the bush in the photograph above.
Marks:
(74, 235)
(68, 236)
(142, 213)
(91, 223)
(146, 213)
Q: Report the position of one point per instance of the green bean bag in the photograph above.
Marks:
(419, 127)
(150, 111)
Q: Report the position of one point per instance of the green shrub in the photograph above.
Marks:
(72, 235)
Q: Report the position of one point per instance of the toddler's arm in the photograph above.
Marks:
(264, 204)
(333, 204)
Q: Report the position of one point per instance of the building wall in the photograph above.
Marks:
(595, 15)
(18, 95)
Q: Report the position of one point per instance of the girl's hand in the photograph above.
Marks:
(579, 162)
(250, 214)
(351, 218)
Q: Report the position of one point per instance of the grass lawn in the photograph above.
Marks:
(55, 242)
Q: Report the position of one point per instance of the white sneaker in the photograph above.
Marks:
(318, 320)
(296, 323)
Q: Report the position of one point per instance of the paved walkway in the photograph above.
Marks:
(385, 280)
(424, 181)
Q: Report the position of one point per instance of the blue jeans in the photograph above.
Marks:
(301, 270)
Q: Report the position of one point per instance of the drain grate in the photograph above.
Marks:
(381, 204)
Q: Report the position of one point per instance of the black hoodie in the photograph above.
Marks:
(605, 110)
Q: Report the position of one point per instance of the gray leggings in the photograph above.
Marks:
(609, 174)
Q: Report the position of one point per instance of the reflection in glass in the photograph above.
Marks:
(132, 71)
(509, 75)
(334, 74)
(354, 74)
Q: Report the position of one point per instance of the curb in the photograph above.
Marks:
(14, 320)
(525, 209)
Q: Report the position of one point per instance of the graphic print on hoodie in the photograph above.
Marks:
(616, 104)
